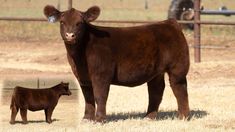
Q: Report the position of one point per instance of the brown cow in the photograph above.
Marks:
(36, 99)
(128, 56)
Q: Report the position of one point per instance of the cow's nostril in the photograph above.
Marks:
(70, 35)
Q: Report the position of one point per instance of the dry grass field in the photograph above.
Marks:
(65, 116)
(32, 50)
(211, 94)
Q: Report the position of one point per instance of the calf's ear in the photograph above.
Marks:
(52, 14)
(92, 14)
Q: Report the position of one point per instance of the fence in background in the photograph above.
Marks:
(197, 25)
(39, 83)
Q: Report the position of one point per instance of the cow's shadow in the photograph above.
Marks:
(35, 121)
(162, 115)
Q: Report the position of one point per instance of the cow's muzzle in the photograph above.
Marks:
(69, 93)
(70, 37)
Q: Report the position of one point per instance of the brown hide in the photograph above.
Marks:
(36, 99)
(128, 56)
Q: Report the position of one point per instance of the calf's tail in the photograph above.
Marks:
(12, 103)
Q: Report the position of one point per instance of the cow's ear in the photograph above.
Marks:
(92, 14)
(52, 14)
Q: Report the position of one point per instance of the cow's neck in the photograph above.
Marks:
(77, 59)
(74, 50)
(77, 50)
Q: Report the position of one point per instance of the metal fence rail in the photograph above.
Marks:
(197, 24)
(216, 12)
(120, 21)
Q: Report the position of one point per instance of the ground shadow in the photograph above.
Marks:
(35, 121)
(162, 115)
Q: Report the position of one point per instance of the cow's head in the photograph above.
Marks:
(63, 89)
(72, 22)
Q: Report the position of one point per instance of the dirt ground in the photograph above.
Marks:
(211, 86)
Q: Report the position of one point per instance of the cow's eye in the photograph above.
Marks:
(61, 22)
(77, 24)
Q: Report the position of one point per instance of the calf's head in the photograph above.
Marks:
(72, 22)
(63, 89)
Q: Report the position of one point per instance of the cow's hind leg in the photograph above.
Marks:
(14, 111)
(89, 102)
(155, 90)
(46, 114)
(23, 113)
(178, 84)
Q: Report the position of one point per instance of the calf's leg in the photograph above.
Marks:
(49, 114)
(155, 90)
(14, 111)
(23, 113)
(46, 113)
(89, 102)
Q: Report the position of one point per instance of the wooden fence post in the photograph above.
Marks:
(197, 31)
(58, 5)
(70, 3)
(146, 5)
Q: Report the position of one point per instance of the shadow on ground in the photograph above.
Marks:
(35, 121)
(162, 115)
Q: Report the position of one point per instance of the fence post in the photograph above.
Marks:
(146, 6)
(70, 3)
(197, 31)
(58, 4)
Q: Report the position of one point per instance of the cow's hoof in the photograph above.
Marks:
(151, 116)
(49, 121)
(100, 120)
(24, 122)
(12, 122)
(183, 117)
(90, 118)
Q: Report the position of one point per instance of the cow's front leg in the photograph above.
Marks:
(89, 102)
(101, 72)
(101, 90)
(49, 112)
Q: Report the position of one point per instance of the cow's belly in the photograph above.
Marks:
(132, 82)
(36, 107)
(134, 75)
(38, 104)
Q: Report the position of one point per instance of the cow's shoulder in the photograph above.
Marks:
(173, 22)
(17, 88)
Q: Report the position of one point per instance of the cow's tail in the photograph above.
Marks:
(13, 105)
